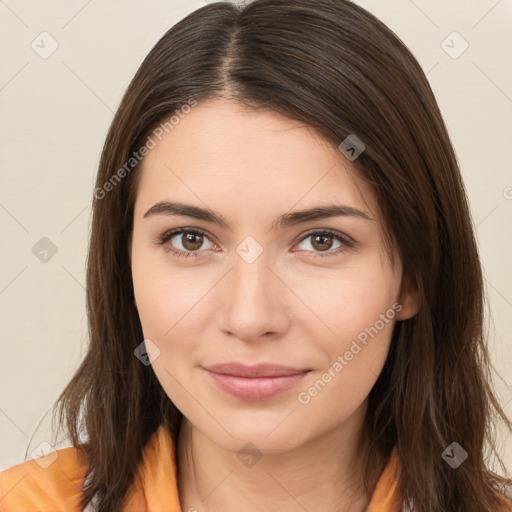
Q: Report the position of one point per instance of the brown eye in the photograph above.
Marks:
(322, 243)
(184, 242)
(191, 241)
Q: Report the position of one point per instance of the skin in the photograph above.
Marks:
(289, 306)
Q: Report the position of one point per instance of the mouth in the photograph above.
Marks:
(254, 383)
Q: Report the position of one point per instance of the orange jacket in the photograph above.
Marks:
(53, 483)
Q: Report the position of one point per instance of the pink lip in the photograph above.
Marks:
(258, 382)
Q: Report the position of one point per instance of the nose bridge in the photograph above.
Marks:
(251, 275)
(251, 259)
(252, 305)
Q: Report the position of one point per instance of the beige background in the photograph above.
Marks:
(54, 115)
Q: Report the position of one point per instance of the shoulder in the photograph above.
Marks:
(52, 482)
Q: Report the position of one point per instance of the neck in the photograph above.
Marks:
(324, 474)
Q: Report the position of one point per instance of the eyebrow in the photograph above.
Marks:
(284, 220)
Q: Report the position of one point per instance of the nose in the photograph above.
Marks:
(254, 301)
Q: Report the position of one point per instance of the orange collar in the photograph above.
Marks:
(35, 485)
(157, 479)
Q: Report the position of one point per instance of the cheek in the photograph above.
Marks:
(165, 304)
(172, 304)
(161, 303)
(168, 297)
(347, 302)
(359, 309)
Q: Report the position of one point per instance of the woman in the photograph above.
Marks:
(284, 290)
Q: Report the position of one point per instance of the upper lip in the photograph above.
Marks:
(259, 370)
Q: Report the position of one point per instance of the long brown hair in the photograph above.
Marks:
(335, 67)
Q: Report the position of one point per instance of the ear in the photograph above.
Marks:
(409, 299)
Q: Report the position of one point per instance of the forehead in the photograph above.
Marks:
(227, 156)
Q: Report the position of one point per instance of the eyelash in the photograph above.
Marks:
(344, 239)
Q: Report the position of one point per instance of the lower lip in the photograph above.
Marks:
(256, 388)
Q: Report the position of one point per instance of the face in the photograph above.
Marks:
(245, 285)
